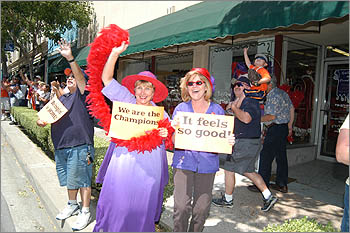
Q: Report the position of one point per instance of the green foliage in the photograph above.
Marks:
(27, 22)
(169, 188)
(40, 135)
(30, 20)
(300, 225)
(101, 146)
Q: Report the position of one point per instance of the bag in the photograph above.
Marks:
(19, 94)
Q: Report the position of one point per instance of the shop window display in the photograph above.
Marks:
(174, 96)
(301, 66)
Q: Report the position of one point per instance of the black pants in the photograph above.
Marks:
(275, 147)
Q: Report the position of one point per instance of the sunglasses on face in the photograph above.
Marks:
(198, 83)
(238, 85)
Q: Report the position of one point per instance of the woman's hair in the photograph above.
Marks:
(183, 85)
(144, 83)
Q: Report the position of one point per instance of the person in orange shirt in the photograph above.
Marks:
(258, 75)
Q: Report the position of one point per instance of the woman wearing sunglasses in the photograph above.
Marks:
(194, 171)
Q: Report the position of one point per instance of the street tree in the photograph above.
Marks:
(27, 23)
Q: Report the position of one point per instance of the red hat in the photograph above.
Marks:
(160, 92)
(67, 71)
(205, 73)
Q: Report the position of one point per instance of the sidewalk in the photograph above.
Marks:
(317, 195)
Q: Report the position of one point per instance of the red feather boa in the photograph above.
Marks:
(100, 49)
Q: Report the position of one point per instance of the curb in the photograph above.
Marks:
(20, 153)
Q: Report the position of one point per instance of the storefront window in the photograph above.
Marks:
(169, 70)
(300, 76)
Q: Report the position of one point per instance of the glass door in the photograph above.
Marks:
(336, 105)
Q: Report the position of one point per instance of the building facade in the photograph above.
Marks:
(307, 43)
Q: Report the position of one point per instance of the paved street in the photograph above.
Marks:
(21, 207)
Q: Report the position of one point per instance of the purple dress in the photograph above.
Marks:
(133, 183)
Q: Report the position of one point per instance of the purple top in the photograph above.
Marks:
(76, 127)
(197, 161)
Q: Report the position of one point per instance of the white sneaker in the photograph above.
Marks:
(83, 220)
(3, 117)
(68, 211)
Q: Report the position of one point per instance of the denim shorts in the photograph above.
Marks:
(72, 166)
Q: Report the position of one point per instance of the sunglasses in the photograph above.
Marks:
(238, 85)
(198, 83)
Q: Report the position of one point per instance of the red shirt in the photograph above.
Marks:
(4, 93)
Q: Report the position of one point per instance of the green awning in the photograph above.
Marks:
(82, 55)
(218, 19)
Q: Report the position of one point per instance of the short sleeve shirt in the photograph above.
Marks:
(252, 129)
(196, 161)
(76, 127)
(278, 104)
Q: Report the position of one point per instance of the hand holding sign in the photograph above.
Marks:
(132, 120)
(204, 132)
(52, 111)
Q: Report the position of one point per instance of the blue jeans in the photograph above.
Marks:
(345, 222)
(73, 167)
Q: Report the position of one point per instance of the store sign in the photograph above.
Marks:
(342, 76)
(9, 46)
(132, 120)
(204, 132)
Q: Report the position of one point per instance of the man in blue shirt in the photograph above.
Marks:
(72, 137)
(247, 146)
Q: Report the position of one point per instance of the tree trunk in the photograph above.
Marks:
(4, 64)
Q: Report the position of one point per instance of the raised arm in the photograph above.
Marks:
(24, 78)
(57, 88)
(246, 58)
(66, 51)
(108, 70)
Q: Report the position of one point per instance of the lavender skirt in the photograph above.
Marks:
(132, 192)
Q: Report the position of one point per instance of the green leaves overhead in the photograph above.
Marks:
(49, 18)
(26, 23)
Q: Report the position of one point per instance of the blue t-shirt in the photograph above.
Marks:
(252, 129)
(76, 127)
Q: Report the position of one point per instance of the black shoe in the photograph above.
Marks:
(268, 203)
(282, 189)
(222, 202)
(253, 188)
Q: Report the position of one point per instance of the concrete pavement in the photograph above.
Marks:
(317, 194)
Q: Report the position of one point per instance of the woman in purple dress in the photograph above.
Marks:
(133, 183)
